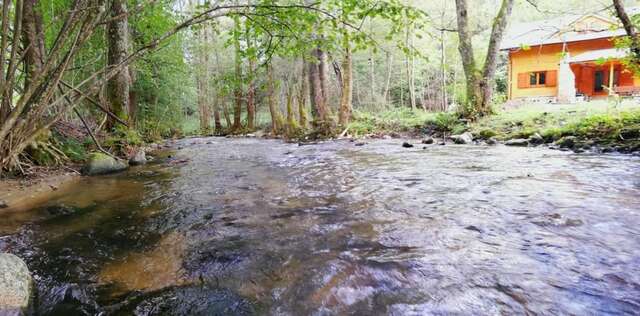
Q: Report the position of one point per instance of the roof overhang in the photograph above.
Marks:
(600, 54)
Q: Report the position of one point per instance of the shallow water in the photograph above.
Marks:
(246, 226)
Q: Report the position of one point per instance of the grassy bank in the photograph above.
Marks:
(595, 123)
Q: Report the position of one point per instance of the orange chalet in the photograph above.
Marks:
(567, 59)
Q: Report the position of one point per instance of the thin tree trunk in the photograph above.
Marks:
(303, 95)
(118, 43)
(385, 94)
(443, 69)
(347, 83)
(251, 92)
(276, 119)
(410, 65)
(237, 110)
(372, 75)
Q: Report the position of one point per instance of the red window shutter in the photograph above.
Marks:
(552, 78)
(523, 80)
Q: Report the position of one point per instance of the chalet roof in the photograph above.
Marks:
(553, 31)
(610, 53)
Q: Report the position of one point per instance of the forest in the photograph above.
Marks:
(319, 157)
(79, 76)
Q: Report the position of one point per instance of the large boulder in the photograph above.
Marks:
(16, 286)
(464, 138)
(99, 163)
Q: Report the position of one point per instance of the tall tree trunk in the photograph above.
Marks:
(318, 96)
(347, 83)
(480, 82)
(276, 119)
(410, 71)
(118, 43)
(32, 40)
(216, 93)
(443, 70)
(385, 94)
(251, 96)
(237, 110)
(251, 92)
(303, 96)
(372, 75)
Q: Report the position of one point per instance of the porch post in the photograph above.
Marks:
(611, 75)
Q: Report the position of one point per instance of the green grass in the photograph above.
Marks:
(597, 120)
(393, 120)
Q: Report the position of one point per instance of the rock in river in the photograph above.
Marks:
(517, 142)
(428, 140)
(16, 286)
(566, 142)
(99, 163)
(138, 158)
(464, 138)
(407, 145)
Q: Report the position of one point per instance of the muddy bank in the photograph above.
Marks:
(22, 194)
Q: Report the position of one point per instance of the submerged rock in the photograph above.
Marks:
(521, 142)
(464, 138)
(407, 145)
(99, 163)
(360, 143)
(138, 158)
(16, 286)
(491, 141)
(3, 204)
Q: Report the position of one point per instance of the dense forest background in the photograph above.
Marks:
(81, 74)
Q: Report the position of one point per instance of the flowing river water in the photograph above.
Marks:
(221, 226)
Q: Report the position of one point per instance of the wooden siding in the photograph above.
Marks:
(547, 58)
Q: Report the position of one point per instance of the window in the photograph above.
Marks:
(537, 78)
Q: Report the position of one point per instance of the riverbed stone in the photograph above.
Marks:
(16, 286)
(536, 139)
(99, 163)
(428, 140)
(3, 204)
(520, 142)
(566, 142)
(491, 141)
(407, 145)
(138, 158)
(464, 138)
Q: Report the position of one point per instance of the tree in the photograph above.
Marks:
(632, 41)
(118, 87)
(479, 81)
(347, 82)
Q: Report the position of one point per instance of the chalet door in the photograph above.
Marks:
(598, 81)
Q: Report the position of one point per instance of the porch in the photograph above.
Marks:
(600, 73)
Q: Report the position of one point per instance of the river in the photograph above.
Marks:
(220, 226)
